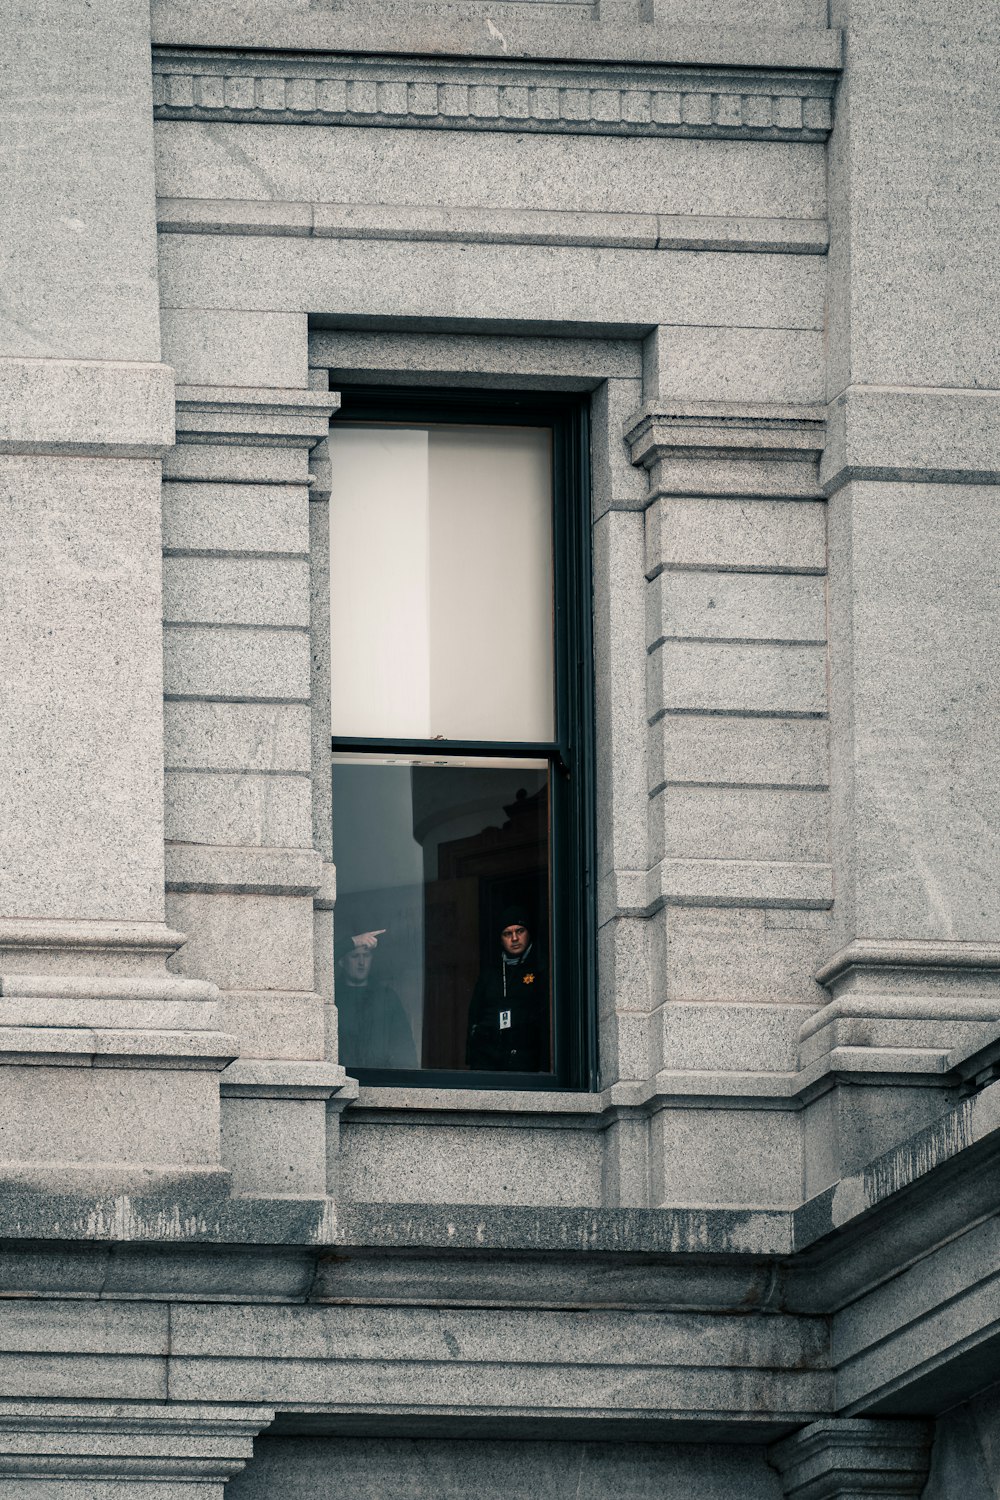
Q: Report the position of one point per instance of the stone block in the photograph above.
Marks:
(236, 736)
(916, 694)
(236, 591)
(579, 289)
(235, 664)
(624, 964)
(744, 955)
(235, 518)
(742, 364)
(232, 463)
(82, 828)
(85, 408)
(219, 807)
(761, 1038)
(739, 823)
(500, 1162)
(707, 748)
(787, 536)
(79, 255)
(108, 1118)
(275, 1146)
(245, 942)
(460, 169)
(735, 606)
(235, 348)
(273, 1024)
(685, 676)
(734, 1157)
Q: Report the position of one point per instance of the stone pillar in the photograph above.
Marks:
(911, 470)
(847, 1459)
(86, 411)
(82, 1450)
(244, 873)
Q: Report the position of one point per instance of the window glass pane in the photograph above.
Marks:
(446, 862)
(441, 582)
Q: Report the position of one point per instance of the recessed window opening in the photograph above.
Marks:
(461, 731)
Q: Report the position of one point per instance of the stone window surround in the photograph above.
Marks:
(501, 360)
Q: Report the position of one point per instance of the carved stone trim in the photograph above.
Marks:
(729, 448)
(250, 418)
(879, 957)
(561, 98)
(127, 1441)
(838, 1458)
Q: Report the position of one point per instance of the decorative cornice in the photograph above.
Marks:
(748, 104)
(914, 954)
(851, 1456)
(728, 448)
(128, 1442)
(248, 417)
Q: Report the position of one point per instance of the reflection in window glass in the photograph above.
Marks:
(441, 582)
(442, 913)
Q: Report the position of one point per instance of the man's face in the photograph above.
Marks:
(515, 940)
(357, 965)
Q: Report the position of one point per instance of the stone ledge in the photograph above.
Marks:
(371, 221)
(86, 408)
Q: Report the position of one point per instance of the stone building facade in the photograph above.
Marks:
(753, 1249)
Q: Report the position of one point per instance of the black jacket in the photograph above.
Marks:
(518, 993)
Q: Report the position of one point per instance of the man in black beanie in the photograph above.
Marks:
(509, 1009)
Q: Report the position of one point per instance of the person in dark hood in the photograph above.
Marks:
(373, 1029)
(509, 1009)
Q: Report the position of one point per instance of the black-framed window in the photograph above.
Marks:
(462, 731)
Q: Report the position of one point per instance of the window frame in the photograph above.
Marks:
(571, 753)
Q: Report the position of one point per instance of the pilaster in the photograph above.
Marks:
(739, 884)
(244, 872)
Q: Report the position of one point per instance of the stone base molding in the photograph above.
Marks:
(845, 1459)
(90, 1450)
